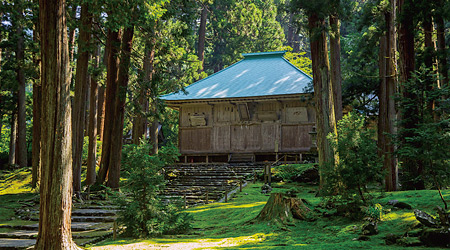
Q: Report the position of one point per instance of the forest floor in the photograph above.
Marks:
(225, 225)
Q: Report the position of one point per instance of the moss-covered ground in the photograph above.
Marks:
(226, 225)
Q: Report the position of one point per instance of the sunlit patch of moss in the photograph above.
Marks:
(202, 243)
(15, 182)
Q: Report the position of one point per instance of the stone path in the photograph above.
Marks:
(90, 224)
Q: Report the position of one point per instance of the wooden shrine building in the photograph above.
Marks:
(254, 110)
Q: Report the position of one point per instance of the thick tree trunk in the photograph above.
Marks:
(140, 123)
(101, 111)
(56, 151)
(119, 111)
(37, 103)
(13, 140)
(410, 113)
(442, 55)
(21, 100)
(335, 54)
(73, 16)
(202, 35)
(112, 47)
(92, 151)
(387, 113)
(429, 56)
(325, 114)
(81, 90)
(290, 33)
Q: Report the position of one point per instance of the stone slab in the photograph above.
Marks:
(19, 234)
(94, 212)
(16, 243)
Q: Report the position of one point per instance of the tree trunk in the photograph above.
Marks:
(119, 111)
(325, 116)
(73, 15)
(442, 55)
(21, 99)
(387, 113)
(429, 56)
(140, 123)
(56, 151)
(112, 47)
(202, 35)
(154, 128)
(283, 209)
(80, 99)
(290, 33)
(92, 151)
(410, 114)
(37, 103)
(13, 140)
(335, 54)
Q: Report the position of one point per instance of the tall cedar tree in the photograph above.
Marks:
(441, 47)
(119, 110)
(202, 35)
(80, 99)
(112, 47)
(410, 114)
(92, 130)
(21, 154)
(387, 113)
(323, 89)
(37, 96)
(56, 151)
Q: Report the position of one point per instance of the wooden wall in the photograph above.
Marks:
(270, 126)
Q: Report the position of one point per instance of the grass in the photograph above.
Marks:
(226, 225)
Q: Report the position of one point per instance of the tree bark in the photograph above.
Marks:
(283, 209)
(119, 111)
(387, 112)
(429, 55)
(80, 99)
(112, 47)
(441, 47)
(13, 140)
(140, 121)
(56, 152)
(410, 114)
(101, 111)
(37, 103)
(92, 151)
(202, 35)
(335, 54)
(324, 101)
(21, 99)
(73, 15)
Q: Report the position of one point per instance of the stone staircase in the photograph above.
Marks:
(197, 184)
(91, 222)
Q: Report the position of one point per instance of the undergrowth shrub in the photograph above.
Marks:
(358, 165)
(290, 172)
(142, 212)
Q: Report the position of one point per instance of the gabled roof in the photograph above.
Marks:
(258, 74)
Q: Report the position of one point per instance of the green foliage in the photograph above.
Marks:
(374, 212)
(299, 60)
(290, 172)
(359, 164)
(424, 133)
(86, 148)
(141, 210)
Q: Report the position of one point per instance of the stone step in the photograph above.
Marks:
(93, 212)
(7, 244)
(93, 218)
(19, 234)
(76, 226)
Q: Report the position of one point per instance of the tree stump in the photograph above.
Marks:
(284, 209)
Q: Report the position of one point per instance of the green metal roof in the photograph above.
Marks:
(258, 74)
